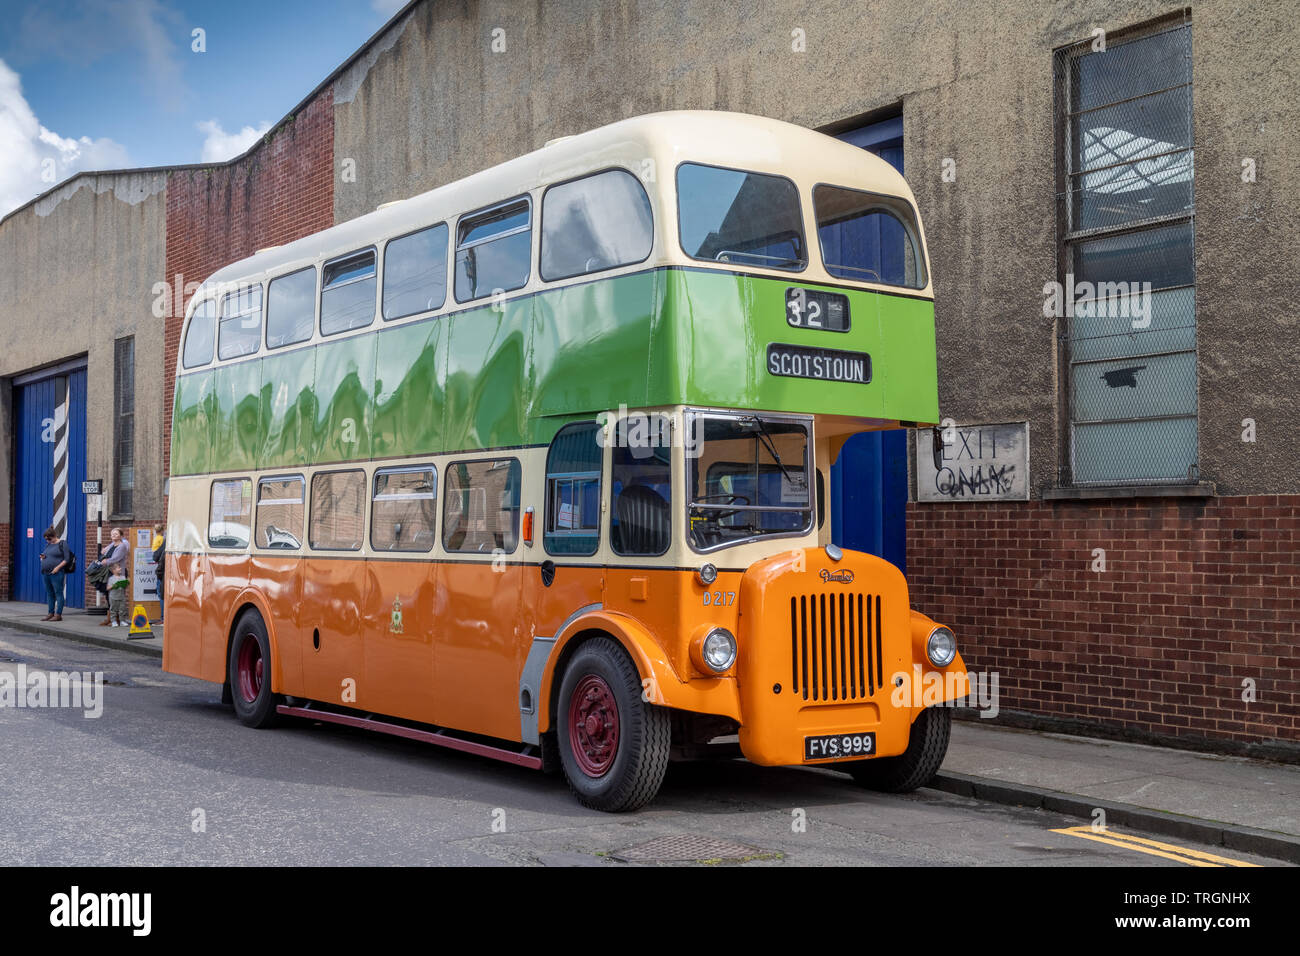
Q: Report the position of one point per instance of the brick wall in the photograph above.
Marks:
(1196, 597)
(282, 191)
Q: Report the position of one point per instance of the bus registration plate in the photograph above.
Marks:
(839, 745)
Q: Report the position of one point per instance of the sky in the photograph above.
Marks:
(112, 84)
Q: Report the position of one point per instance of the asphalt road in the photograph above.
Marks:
(167, 775)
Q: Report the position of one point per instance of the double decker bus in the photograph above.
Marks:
(535, 464)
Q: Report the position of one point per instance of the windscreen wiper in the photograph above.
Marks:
(771, 448)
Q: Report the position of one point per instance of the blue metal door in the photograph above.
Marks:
(49, 467)
(869, 479)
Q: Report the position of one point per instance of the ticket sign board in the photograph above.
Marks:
(144, 577)
(979, 463)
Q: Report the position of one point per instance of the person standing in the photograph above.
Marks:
(115, 552)
(159, 547)
(117, 585)
(54, 565)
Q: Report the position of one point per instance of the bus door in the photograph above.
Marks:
(402, 620)
(479, 646)
(334, 590)
(221, 574)
(280, 509)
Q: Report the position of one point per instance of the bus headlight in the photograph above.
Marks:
(707, 574)
(941, 647)
(714, 651)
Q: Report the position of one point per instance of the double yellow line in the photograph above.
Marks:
(1154, 847)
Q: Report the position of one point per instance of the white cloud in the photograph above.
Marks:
(36, 158)
(220, 146)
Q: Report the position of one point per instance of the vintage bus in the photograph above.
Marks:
(535, 464)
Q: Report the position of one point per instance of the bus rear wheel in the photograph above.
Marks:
(917, 765)
(613, 744)
(249, 672)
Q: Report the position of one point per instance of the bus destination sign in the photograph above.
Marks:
(826, 365)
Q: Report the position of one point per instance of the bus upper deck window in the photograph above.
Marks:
(415, 273)
(291, 308)
(494, 250)
(868, 238)
(347, 298)
(747, 219)
(594, 223)
(240, 332)
(198, 338)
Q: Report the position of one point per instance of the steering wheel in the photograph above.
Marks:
(719, 515)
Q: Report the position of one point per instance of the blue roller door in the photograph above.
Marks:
(869, 480)
(46, 455)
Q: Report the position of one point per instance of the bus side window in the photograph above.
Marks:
(415, 273)
(494, 250)
(480, 506)
(198, 337)
(403, 510)
(573, 491)
(240, 332)
(594, 223)
(291, 308)
(280, 509)
(337, 510)
(641, 479)
(347, 298)
(230, 513)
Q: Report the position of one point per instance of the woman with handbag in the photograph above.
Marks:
(54, 569)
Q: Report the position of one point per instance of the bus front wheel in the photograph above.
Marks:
(917, 765)
(613, 744)
(249, 672)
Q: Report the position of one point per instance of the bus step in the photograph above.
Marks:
(433, 735)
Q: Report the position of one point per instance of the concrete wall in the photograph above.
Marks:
(432, 102)
(79, 267)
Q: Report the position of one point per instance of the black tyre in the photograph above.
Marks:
(613, 745)
(248, 671)
(915, 766)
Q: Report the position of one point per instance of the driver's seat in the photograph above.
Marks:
(644, 521)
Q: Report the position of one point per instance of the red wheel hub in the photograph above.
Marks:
(249, 668)
(593, 725)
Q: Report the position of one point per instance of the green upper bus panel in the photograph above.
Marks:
(514, 373)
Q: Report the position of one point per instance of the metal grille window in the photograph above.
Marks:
(1126, 295)
(123, 424)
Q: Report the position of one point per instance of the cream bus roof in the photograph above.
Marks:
(651, 146)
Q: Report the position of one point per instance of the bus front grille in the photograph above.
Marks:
(835, 648)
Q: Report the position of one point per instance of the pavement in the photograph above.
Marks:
(1240, 803)
(78, 625)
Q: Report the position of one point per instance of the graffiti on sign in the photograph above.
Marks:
(980, 463)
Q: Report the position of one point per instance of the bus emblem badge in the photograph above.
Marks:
(395, 624)
(842, 577)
